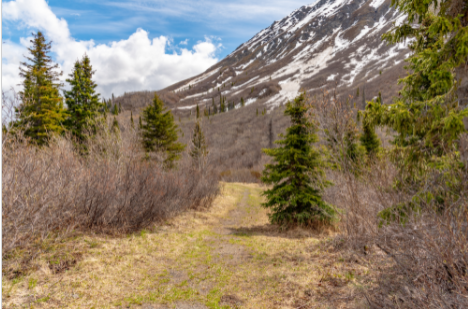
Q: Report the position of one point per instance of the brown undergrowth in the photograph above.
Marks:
(420, 256)
(52, 194)
(228, 256)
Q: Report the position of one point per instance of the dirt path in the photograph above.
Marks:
(226, 257)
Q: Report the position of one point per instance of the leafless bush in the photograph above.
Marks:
(422, 260)
(53, 189)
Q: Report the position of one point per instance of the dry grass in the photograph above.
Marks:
(227, 256)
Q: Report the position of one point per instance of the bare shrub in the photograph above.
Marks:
(421, 261)
(53, 189)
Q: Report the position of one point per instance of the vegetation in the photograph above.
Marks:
(297, 174)
(159, 132)
(41, 112)
(84, 108)
(199, 150)
(400, 212)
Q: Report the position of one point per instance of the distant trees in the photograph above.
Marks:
(41, 112)
(296, 174)
(159, 132)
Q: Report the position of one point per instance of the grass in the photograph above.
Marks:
(198, 257)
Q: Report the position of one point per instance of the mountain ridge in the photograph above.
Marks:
(327, 44)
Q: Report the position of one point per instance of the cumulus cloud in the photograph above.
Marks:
(136, 63)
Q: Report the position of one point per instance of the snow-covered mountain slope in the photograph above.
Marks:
(331, 43)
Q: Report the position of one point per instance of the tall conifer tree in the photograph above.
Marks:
(296, 173)
(41, 112)
(82, 101)
(159, 132)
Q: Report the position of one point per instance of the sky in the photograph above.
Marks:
(134, 44)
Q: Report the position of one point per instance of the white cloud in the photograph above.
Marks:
(137, 63)
(185, 42)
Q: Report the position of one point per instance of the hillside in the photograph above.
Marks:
(331, 43)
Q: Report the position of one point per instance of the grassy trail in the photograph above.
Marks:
(226, 257)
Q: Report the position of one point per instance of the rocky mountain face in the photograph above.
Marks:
(331, 44)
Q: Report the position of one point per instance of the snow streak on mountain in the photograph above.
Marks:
(332, 43)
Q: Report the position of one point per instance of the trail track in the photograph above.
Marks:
(226, 257)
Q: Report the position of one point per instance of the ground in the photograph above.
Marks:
(228, 256)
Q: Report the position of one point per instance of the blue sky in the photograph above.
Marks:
(197, 31)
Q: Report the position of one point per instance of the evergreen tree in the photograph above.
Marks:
(199, 150)
(427, 119)
(159, 132)
(131, 120)
(369, 138)
(41, 111)
(116, 110)
(270, 134)
(257, 111)
(363, 97)
(357, 93)
(106, 110)
(353, 149)
(198, 112)
(82, 101)
(296, 173)
(140, 124)
(242, 102)
(115, 126)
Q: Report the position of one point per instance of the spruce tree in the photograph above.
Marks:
(115, 110)
(82, 101)
(270, 134)
(41, 112)
(198, 150)
(131, 120)
(115, 126)
(296, 174)
(159, 132)
(242, 102)
(428, 116)
(369, 138)
(198, 112)
(363, 97)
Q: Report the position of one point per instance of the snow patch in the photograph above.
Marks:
(376, 3)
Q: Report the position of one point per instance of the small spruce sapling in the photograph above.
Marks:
(198, 151)
(159, 132)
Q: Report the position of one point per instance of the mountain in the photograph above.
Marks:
(329, 44)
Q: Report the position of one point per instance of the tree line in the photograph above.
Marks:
(79, 112)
